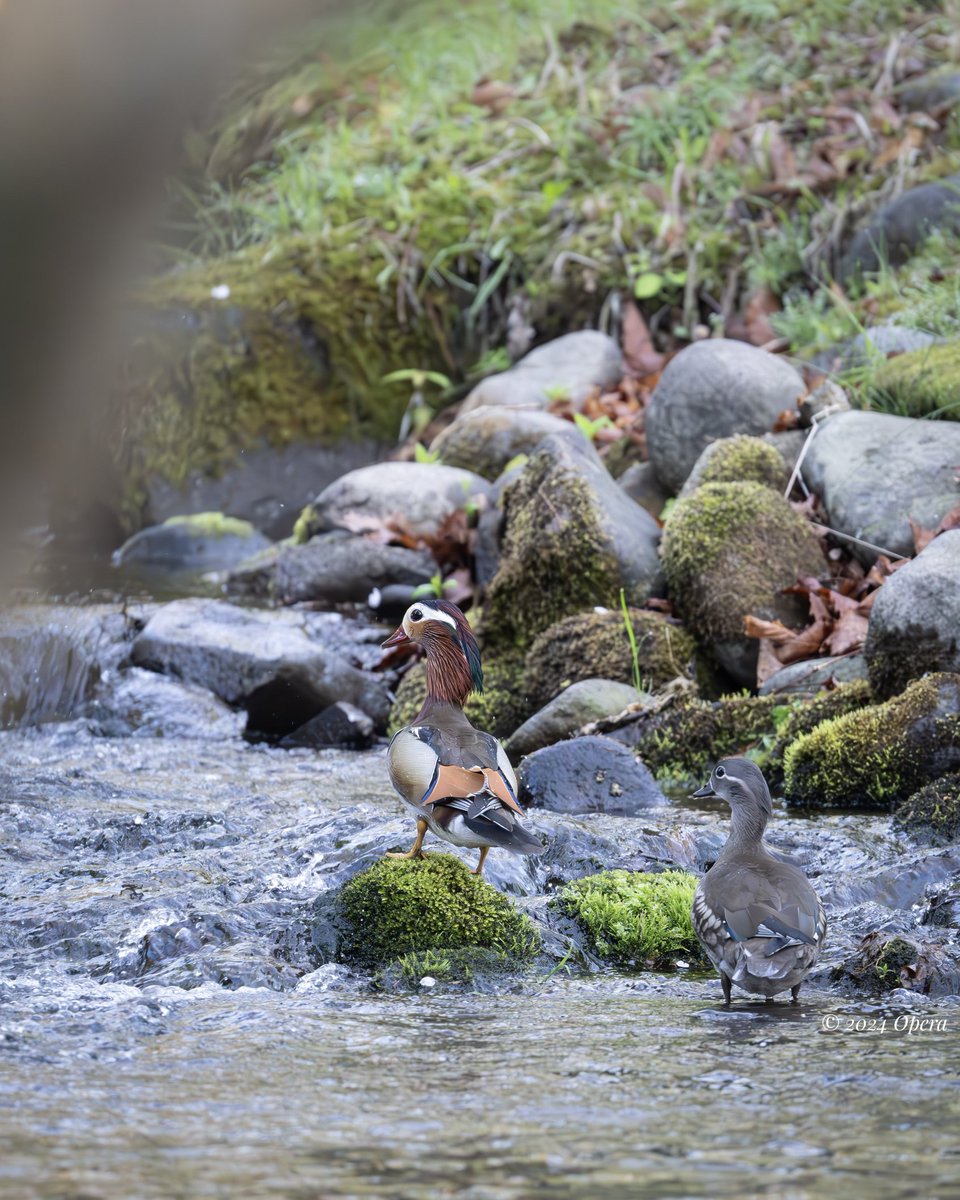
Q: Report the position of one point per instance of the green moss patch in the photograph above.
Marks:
(933, 812)
(398, 907)
(922, 383)
(727, 551)
(596, 645)
(795, 717)
(213, 524)
(740, 459)
(635, 919)
(878, 755)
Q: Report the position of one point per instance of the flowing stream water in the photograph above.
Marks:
(170, 1025)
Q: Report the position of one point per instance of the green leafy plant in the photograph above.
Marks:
(591, 426)
(436, 586)
(422, 455)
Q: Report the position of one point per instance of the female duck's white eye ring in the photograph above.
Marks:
(719, 772)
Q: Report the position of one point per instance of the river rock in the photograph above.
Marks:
(932, 91)
(570, 366)
(874, 472)
(915, 619)
(713, 389)
(933, 813)
(342, 724)
(582, 702)
(586, 775)
(729, 550)
(641, 484)
(814, 674)
(271, 663)
(734, 460)
(139, 703)
(201, 542)
(485, 439)
(422, 495)
(571, 539)
(872, 344)
(333, 568)
(924, 382)
(898, 228)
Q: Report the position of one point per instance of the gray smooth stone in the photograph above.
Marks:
(582, 702)
(572, 366)
(588, 775)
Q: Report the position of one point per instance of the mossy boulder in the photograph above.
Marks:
(635, 919)
(501, 708)
(882, 963)
(736, 460)
(571, 540)
(933, 812)
(200, 541)
(794, 717)
(684, 741)
(258, 348)
(728, 551)
(593, 644)
(398, 907)
(881, 754)
(486, 439)
(922, 383)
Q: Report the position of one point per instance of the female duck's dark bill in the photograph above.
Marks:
(701, 793)
(397, 638)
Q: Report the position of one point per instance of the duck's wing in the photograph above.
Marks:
(484, 815)
(429, 765)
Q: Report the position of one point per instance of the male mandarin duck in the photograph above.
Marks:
(758, 919)
(458, 779)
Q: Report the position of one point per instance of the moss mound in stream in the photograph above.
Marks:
(739, 459)
(795, 718)
(635, 919)
(596, 645)
(398, 907)
(684, 741)
(933, 812)
(921, 383)
(878, 755)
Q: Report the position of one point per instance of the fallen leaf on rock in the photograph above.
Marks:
(923, 537)
(639, 353)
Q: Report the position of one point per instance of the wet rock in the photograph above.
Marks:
(813, 674)
(201, 542)
(713, 389)
(880, 754)
(874, 472)
(490, 525)
(582, 702)
(139, 703)
(342, 724)
(923, 383)
(640, 483)
(933, 813)
(271, 663)
(570, 366)
(899, 228)
(435, 904)
(944, 907)
(332, 568)
(882, 963)
(596, 644)
(588, 775)
(735, 460)
(422, 495)
(52, 657)
(915, 619)
(571, 539)
(484, 440)
(728, 551)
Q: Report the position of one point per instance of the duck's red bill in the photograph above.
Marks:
(397, 638)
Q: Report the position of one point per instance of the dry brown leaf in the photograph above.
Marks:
(492, 94)
(848, 634)
(767, 662)
(639, 353)
(756, 316)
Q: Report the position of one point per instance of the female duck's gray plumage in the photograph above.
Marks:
(457, 778)
(758, 919)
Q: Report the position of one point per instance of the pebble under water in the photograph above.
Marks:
(169, 1024)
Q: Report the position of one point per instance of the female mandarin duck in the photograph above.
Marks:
(758, 919)
(458, 780)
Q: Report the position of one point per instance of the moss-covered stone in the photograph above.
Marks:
(738, 459)
(398, 907)
(213, 525)
(728, 551)
(684, 741)
(572, 540)
(878, 755)
(635, 919)
(502, 707)
(933, 812)
(596, 645)
(796, 716)
(258, 347)
(922, 383)
(881, 963)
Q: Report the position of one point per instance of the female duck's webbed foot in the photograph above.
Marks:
(483, 856)
(416, 850)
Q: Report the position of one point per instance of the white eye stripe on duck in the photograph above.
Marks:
(426, 612)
